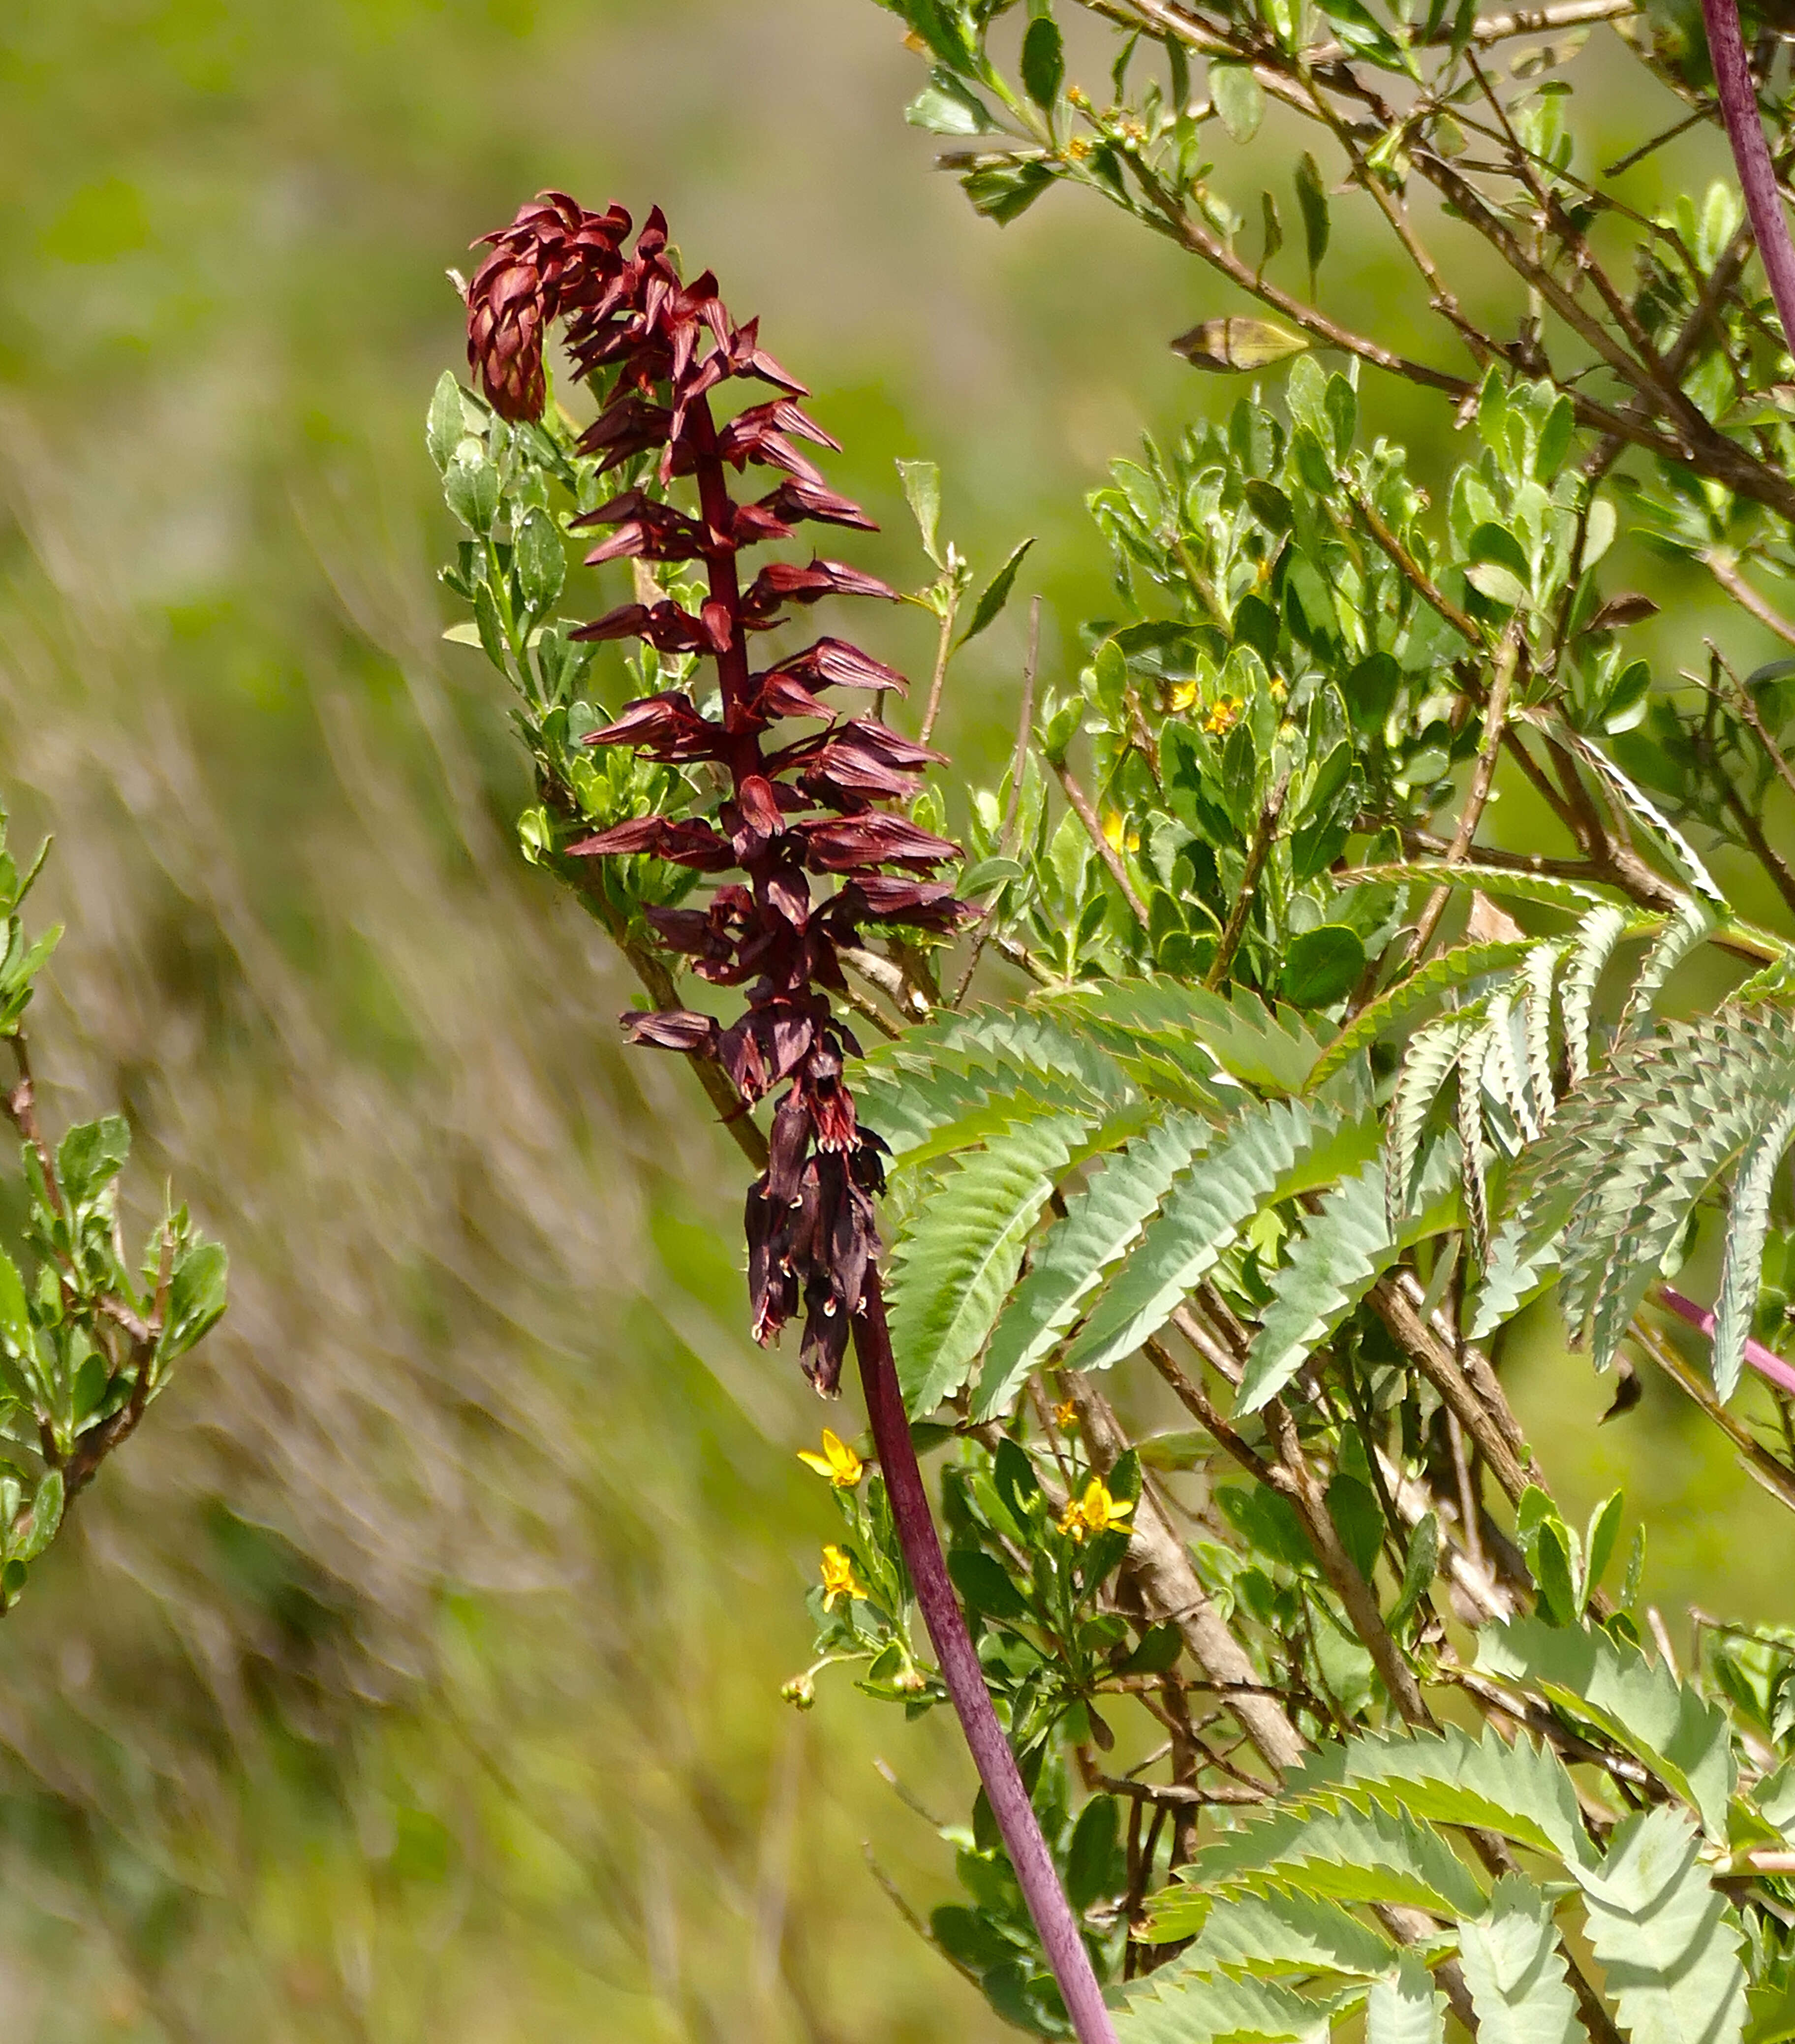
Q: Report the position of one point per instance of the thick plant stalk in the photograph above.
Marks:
(1009, 1799)
(1768, 1364)
(1739, 109)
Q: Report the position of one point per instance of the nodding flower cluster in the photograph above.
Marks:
(802, 811)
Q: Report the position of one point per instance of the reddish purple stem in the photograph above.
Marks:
(1009, 1799)
(1739, 109)
(1766, 1362)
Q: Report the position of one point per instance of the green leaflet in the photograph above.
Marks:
(1648, 811)
(1515, 1970)
(1342, 1250)
(1667, 1941)
(1694, 920)
(1520, 1790)
(1353, 1855)
(1639, 1704)
(956, 1265)
(1269, 1049)
(1270, 1152)
(1100, 1222)
(1431, 1056)
(1176, 2006)
(1597, 936)
(1277, 1931)
(1748, 1215)
(1537, 975)
(1495, 880)
(1453, 968)
(1406, 2007)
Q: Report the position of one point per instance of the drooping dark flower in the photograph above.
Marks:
(801, 813)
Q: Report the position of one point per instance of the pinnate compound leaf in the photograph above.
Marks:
(1515, 1970)
(958, 1259)
(1259, 1157)
(1668, 1944)
(1639, 1703)
(1101, 1221)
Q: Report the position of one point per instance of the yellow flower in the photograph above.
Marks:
(1095, 1512)
(1079, 148)
(1114, 827)
(1223, 717)
(838, 1577)
(1065, 1417)
(1184, 694)
(838, 1462)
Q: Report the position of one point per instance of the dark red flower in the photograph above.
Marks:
(666, 346)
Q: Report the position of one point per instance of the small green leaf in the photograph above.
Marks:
(541, 560)
(46, 1516)
(1312, 197)
(1237, 343)
(1272, 230)
(448, 422)
(196, 1299)
(1044, 61)
(1500, 584)
(470, 484)
(944, 106)
(91, 1155)
(922, 481)
(990, 605)
(984, 1585)
(1091, 1859)
(1323, 966)
(1417, 1575)
(1239, 99)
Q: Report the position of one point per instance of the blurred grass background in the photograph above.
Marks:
(415, 1674)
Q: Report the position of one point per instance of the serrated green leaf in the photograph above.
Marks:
(955, 1264)
(1639, 1704)
(946, 106)
(1178, 2006)
(1354, 1855)
(1515, 1970)
(1268, 1048)
(1406, 2007)
(1516, 1788)
(1667, 1941)
(90, 1156)
(1279, 1930)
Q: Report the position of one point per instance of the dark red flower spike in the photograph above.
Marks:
(804, 812)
